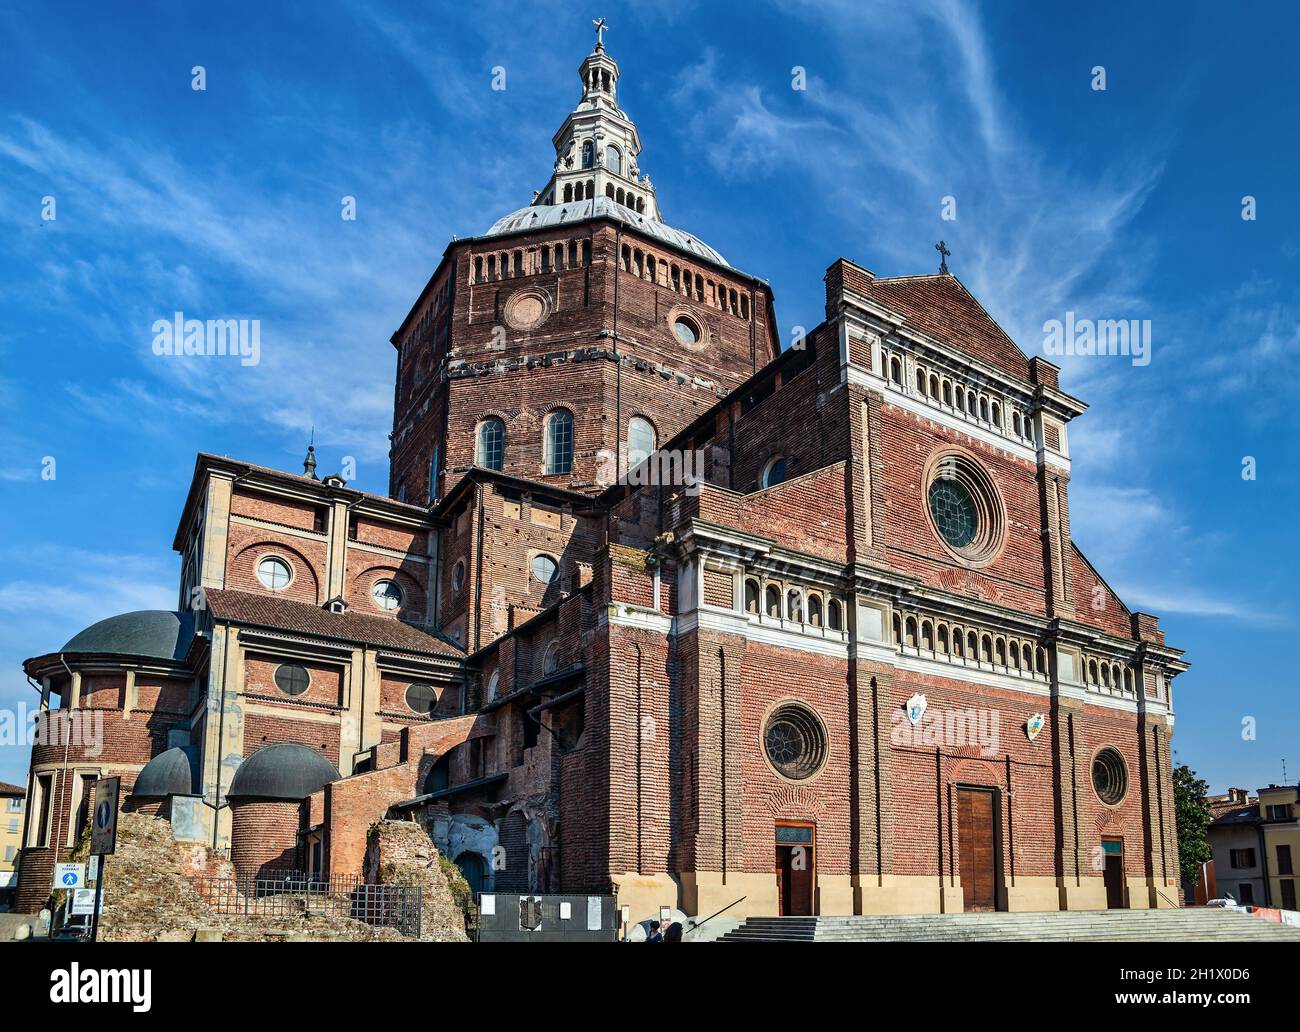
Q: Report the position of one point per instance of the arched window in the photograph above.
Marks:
(958, 649)
(1000, 651)
(934, 387)
(920, 381)
(927, 635)
(947, 393)
(751, 596)
(986, 649)
(794, 605)
(613, 160)
(588, 154)
(1015, 424)
(773, 472)
(491, 447)
(896, 371)
(559, 442)
(640, 441)
(984, 409)
(898, 630)
(772, 600)
(814, 610)
(835, 615)
(943, 638)
(909, 631)
(972, 645)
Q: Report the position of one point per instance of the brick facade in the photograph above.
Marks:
(716, 680)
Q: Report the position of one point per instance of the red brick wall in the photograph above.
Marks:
(264, 836)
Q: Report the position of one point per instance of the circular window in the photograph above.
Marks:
(1109, 776)
(774, 472)
(527, 309)
(953, 509)
(421, 698)
(686, 330)
(387, 594)
(458, 576)
(493, 682)
(274, 573)
(795, 742)
(292, 678)
(544, 567)
(964, 508)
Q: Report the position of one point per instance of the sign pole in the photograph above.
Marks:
(99, 894)
(103, 839)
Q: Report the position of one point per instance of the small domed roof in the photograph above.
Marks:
(166, 774)
(151, 633)
(287, 770)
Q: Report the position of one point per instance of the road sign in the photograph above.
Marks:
(69, 876)
(83, 901)
(103, 828)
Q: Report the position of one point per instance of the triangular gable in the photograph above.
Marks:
(941, 307)
(1095, 602)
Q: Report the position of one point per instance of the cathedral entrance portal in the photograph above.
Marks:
(977, 852)
(795, 880)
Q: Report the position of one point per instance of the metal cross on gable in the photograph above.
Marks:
(944, 255)
(601, 28)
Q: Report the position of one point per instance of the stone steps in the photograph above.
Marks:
(1198, 925)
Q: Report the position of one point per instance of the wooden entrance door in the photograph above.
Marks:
(1113, 850)
(794, 869)
(977, 854)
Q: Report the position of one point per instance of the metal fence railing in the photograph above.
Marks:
(275, 894)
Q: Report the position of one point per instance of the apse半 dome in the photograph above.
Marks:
(286, 770)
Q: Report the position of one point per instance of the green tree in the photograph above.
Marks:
(1193, 817)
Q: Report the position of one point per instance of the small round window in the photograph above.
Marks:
(774, 472)
(544, 568)
(686, 330)
(795, 742)
(387, 594)
(421, 698)
(292, 678)
(274, 573)
(458, 576)
(1110, 776)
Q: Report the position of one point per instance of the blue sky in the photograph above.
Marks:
(225, 203)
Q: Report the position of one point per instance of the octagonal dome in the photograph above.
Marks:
(547, 216)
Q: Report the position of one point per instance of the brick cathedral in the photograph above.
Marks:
(653, 606)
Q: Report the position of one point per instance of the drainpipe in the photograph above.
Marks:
(618, 363)
(221, 734)
(67, 744)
